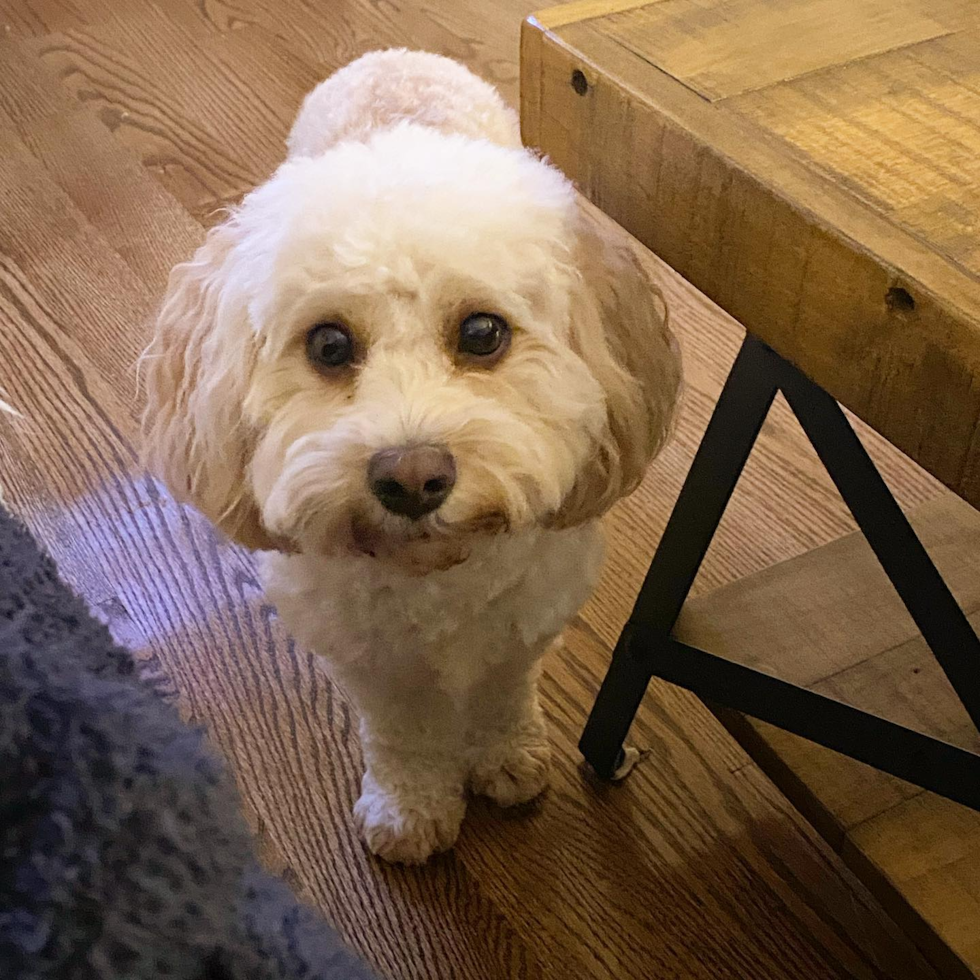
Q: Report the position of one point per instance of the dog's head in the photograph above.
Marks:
(404, 343)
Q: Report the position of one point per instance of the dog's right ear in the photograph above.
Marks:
(620, 328)
(198, 371)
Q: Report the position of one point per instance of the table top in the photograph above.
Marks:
(811, 165)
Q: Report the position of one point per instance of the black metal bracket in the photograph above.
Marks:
(646, 647)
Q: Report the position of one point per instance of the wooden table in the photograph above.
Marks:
(813, 166)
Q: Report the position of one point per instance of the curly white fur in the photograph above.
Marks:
(405, 204)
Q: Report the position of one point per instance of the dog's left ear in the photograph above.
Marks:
(198, 372)
(620, 329)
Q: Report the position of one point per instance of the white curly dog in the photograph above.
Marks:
(414, 370)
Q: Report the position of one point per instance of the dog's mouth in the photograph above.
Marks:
(424, 546)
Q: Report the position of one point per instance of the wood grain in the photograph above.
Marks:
(844, 575)
(829, 621)
(901, 129)
(573, 13)
(724, 49)
(27, 18)
(877, 313)
(121, 126)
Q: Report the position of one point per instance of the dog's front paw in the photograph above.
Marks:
(407, 829)
(512, 773)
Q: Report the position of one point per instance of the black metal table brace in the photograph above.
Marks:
(646, 647)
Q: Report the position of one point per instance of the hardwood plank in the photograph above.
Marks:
(132, 212)
(720, 50)
(903, 131)
(252, 63)
(579, 10)
(931, 849)
(185, 124)
(905, 685)
(832, 627)
(26, 18)
(806, 604)
(76, 292)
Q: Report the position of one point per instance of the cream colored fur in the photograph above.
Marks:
(405, 204)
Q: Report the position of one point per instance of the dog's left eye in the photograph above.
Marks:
(329, 345)
(483, 334)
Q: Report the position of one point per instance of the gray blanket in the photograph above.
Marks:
(123, 853)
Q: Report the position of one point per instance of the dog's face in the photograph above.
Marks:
(401, 345)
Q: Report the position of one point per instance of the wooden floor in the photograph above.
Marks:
(124, 124)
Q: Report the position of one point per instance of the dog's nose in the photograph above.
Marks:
(412, 480)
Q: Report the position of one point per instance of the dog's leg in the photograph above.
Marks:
(412, 795)
(508, 740)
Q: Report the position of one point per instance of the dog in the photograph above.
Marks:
(413, 370)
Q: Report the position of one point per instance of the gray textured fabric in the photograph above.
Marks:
(123, 852)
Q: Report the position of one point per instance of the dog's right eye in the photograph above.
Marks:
(483, 336)
(329, 345)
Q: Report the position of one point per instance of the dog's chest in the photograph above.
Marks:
(514, 593)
